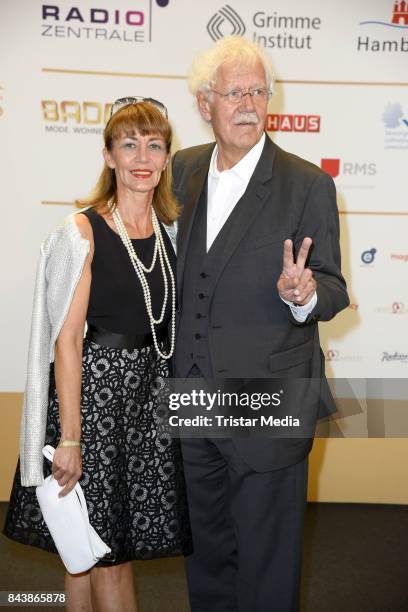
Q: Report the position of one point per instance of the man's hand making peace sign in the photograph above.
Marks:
(296, 283)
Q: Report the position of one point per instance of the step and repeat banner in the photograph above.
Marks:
(340, 101)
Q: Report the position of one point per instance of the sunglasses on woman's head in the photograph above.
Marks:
(128, 101)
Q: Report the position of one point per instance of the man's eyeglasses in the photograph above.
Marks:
(235, 95)
(122, 102)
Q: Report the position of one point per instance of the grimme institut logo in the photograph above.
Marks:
(102, 22)
(272, 30)
(225, 22)
(396, 41)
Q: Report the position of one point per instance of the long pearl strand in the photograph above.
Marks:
(140, 269)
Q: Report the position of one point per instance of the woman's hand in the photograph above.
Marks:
(67, 468)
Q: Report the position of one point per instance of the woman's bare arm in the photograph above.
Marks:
(67, 464)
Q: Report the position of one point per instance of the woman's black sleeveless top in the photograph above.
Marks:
(116, 301)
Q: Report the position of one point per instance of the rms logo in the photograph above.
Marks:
(334, 167)
(293, 123)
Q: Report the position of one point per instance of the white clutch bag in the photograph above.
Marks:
(77, 542)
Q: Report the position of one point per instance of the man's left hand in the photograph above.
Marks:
(296, 283)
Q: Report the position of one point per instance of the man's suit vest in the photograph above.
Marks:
(192, 339)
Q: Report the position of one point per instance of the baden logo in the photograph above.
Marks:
(225, 22)
(367, 257)
(73, 117)
(396, 126)
(398, 22)
(292, 123)
(132, 24)
(270, 30)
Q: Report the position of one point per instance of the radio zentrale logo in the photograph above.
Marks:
(131, 24)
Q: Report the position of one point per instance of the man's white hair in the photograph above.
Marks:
(231, 50)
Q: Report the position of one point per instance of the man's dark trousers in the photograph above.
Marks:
(247, 530)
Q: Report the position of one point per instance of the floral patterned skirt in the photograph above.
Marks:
(132, 476)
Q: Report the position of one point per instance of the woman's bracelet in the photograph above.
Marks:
(65, 443)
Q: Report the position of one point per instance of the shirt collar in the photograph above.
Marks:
(245, 167)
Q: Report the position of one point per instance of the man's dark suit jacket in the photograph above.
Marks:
(250, 329)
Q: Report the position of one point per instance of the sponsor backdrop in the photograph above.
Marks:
(340, 101)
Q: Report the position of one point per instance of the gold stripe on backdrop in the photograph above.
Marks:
(50, 203)
(137, 75)
(341, 212)
(352, 83)
(141, 75)
(373, 212)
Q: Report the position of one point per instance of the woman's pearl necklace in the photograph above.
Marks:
(140, 269)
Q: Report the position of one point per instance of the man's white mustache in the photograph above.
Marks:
(246, 118)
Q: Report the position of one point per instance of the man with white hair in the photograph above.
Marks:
(258, 267)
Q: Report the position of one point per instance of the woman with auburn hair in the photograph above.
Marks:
(110, 266)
